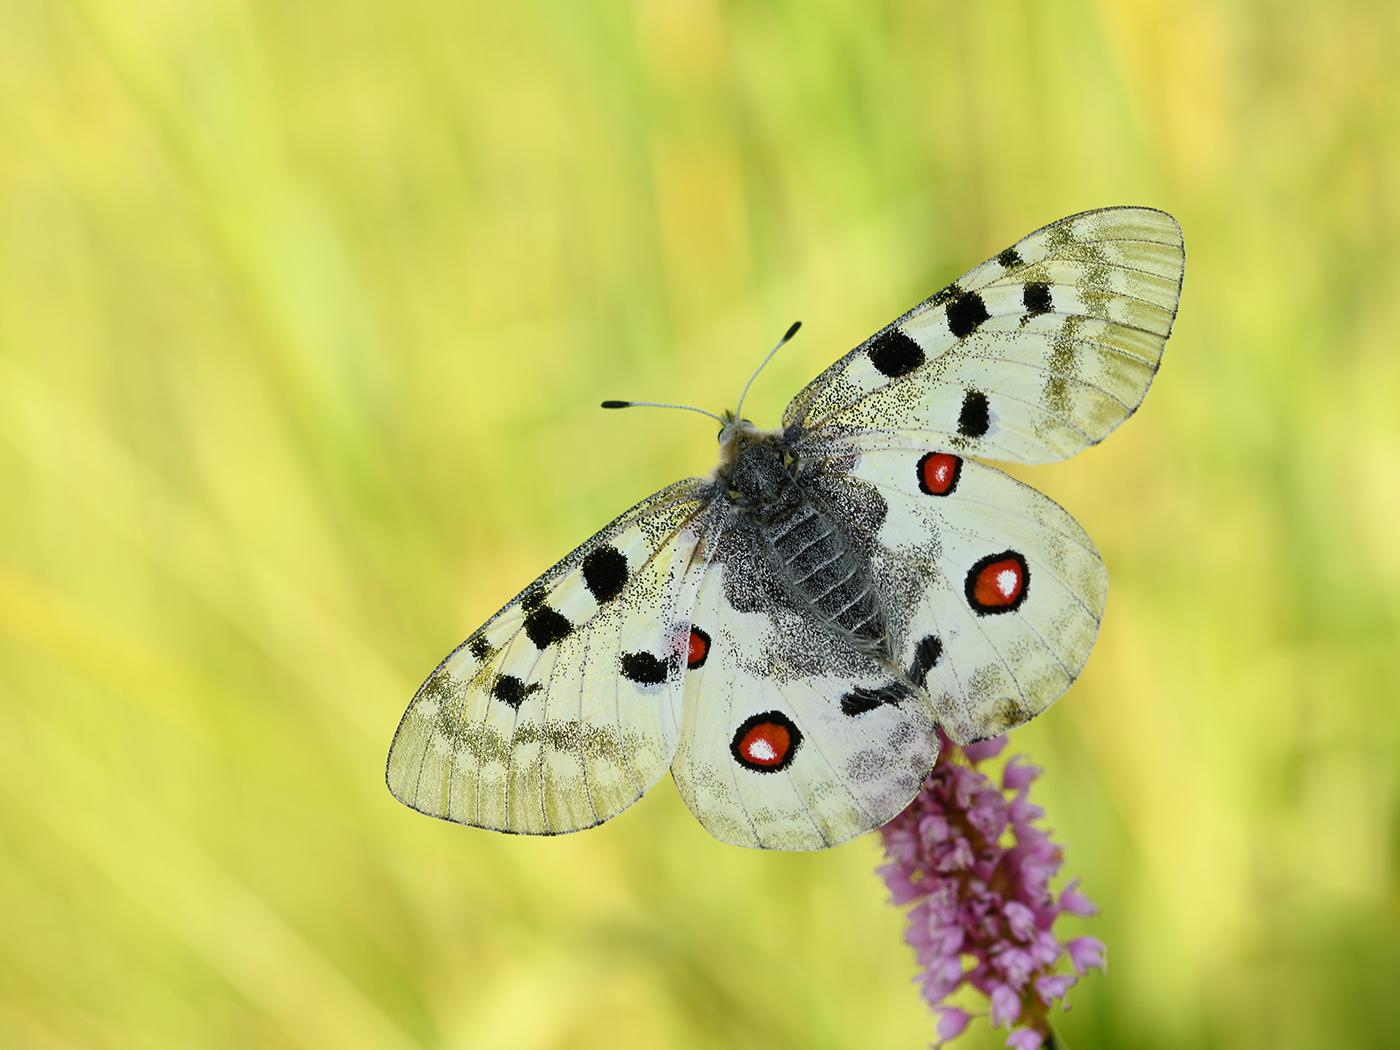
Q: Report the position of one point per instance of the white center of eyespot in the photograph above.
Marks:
(1006, 582)
(762, 751)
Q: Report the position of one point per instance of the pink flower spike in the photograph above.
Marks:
(1054, 986)
(951, 1022)
(1025, 1039)
(1016, 776)
(1074, 902)
(1086, 953)
(985, 749)
(1006, 1005)
(979, 887)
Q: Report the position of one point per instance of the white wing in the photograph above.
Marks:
(565, 707)
(790, 737)
(1031, 357)
(993, 592)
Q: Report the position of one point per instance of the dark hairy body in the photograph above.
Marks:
(804, 543)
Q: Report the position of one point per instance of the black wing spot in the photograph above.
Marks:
(480, 648)
(532, 599)
(1036, 297)
(545, 626)
(511, 691)
(643, 668)
(975, 418)
(605, 573)
(926, 656)
(965, 313)
(941, 296)
(1009, 259)
(859, 701)
(895, 354)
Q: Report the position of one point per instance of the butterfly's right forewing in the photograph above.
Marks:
(1031, 357)
(565, 706)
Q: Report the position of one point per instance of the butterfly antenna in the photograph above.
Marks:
(657, 404)
(788, 335)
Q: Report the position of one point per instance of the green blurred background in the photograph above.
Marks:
(305, 313)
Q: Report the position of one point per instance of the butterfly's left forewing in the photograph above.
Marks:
(564, 707)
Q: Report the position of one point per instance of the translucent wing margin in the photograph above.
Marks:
(1030, 357)
(564, 707)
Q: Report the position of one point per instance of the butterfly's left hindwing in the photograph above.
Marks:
(791, 738)
(564, 707)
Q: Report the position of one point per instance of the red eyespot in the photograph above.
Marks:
(699, 648)
(938, 473)
(998, 583)
(766, 743)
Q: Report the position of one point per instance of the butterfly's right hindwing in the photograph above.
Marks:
(943, 541)
(565, 706)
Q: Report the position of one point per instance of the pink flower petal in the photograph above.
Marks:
(966, 783)
(1020, 919)
(897, 881)
(985, 749)
(951, 1022)
(1045, 948)
(989, 818)
(1074, 902)
(1006, 1005)
(954, 856)
(1016, 776)
(1025, 1039)
(1016, 965)
(1052, 986)
(940, 978)
(1022, 812)
(1086, 953)
(933, 828)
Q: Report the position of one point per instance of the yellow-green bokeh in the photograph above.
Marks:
(305, 312)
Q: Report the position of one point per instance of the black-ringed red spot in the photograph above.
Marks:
(938, 473)
(766, 743)
(698, 650)
(998, 583)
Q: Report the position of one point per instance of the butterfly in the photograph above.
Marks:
(787, 635)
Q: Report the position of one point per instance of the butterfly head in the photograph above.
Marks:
(736, 435)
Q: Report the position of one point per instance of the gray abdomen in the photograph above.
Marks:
(819, 564)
